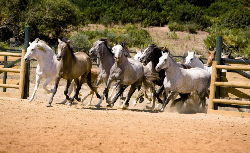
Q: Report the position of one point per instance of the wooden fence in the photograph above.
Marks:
(231, 88)
(21, 71)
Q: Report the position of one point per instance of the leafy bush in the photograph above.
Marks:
(135, 37)
(176, 27)
(80, 40)
(237, 39)
(236, 18)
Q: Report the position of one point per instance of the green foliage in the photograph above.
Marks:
(80, 40)
(237, 39)
(47, 18)
(173, 35)
(236, 18)
(135, 37)
(4, 45)
(176, 27)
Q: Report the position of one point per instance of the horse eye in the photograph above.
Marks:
(191, 59)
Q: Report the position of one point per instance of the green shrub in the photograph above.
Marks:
(236, 18)
(176, 27)
(80, 40)
(192, 27)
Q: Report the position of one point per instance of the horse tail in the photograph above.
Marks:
(90, 85)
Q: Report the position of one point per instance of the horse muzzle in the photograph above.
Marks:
(157, 68)
(26, 60)
(116, 59)
(58, 58)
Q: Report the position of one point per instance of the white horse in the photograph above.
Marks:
(183, 81)
(46, 67)
(193, 60)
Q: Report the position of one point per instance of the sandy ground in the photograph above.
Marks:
(32, 127)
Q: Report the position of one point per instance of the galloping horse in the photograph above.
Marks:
(100, 48)
(47, 64)
(121, 72)
(194, 61)
(184, 81)
(72, 66)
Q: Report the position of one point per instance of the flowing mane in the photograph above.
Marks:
(65, 39)
(106, 44)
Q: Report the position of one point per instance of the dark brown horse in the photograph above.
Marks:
(72, 65)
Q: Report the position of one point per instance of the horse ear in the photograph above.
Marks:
(68, 41)
(30, 43)
(194, 53)
(59, 40)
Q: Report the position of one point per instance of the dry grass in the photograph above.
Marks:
(185, 41)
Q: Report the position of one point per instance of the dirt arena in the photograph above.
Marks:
(32, 127)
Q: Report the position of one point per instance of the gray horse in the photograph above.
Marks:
(126, 71)
(105, 54)
(183, 81)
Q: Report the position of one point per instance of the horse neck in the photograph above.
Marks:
(155, 61)
(45, 58)
(198, 63)
(122, 61)
(106, 59)
(68, 59)
(172, 69)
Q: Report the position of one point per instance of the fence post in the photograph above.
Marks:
(5, 73)
(218, 59)
(27, 72)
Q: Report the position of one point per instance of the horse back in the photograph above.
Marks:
(81, 64)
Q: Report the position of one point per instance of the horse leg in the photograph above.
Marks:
(78, 88)
(118, 93)
(172, 93)
(35, 89)
(159, 91)
(54, 91)
(141, 93)
(105, 91)
(130, 93)
(90, 84)
(70, 89)
(121, 96)
(48, 80)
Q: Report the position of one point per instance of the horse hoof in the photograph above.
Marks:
(134, 104)
(69, 104)
(29, 100)
(78, 99)
(162, 110)
(141, 100)
(110, 105)
(97, 106)
(48, 105)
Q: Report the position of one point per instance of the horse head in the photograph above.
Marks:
(190, 59)
(63, 46)
(97, 46)
(34, 49)
(148, 54)
(162, 62)
(138, 54)
(211, 58)
(117, 50)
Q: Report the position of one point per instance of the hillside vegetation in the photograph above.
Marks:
(50, 19)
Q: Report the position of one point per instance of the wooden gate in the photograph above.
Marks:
(231, 88)
(21, 71)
